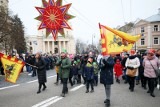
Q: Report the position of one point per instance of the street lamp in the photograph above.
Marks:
(93, 36)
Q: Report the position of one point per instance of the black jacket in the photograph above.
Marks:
(41, 70)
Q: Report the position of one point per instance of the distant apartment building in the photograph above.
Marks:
(149, 28)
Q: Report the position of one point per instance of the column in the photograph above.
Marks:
(43, 47)
(52, 46)
(64, 45)
(48, 47)
(59, 46)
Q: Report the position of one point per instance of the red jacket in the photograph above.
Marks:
(118, 69)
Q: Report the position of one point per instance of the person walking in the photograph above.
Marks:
(57, 68)
(124, 68)
(132, 65)
(74, 70)
(118, 70)
(64, 72)
(158, 79)
(151, 63)
(106, 76)
(40, 64)
(89, 74)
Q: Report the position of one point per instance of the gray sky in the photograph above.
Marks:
(88, 14)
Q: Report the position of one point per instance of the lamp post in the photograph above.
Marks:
(93, 36)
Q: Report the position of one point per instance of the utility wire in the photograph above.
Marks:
(87, 20)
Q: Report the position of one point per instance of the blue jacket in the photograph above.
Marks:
(106, 74)
(89, 71)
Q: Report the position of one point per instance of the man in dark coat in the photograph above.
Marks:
(41, 72)
(106, 76)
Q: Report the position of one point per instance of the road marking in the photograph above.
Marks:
(48, 102)
(52, 102)
(32, 81)
(78, 87)
(51, 76)
(9, 87)
(37, 80)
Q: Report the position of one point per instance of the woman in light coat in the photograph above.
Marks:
(151, 63)
(132, 62)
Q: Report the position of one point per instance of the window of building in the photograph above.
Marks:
(155, 28)
(142, 41)
(156, 41)
(142, 29)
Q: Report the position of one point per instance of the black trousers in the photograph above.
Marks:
(131, 81)
(90, 82)
(65, 88)
(70, 81)
(57, 77)
(79, 78)
(151, 84)
(40, 86)
(143, 80)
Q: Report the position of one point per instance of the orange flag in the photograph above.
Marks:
(12, 67)
(116, 42)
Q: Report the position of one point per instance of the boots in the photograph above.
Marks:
(44, 87)
(87, 91)
(63, 95)
(56, 83)
(108, 103)
(152, 94)
(39, 91)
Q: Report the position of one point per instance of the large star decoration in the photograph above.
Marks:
(54, 17)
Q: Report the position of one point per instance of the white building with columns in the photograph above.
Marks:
(48, 45)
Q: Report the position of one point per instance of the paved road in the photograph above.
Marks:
(23, 94)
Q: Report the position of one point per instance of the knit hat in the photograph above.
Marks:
(151, 51)
(75, 62)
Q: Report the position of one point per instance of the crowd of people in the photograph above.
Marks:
(133, 68)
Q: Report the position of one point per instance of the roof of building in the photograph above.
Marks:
(154, 18)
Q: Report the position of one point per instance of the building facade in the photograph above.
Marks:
(149, 28)
(48, 45)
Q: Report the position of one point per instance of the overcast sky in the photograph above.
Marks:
(88, 14)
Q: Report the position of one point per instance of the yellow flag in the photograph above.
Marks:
(115, 42)
(12, 68)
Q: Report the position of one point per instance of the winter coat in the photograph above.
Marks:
(65, 68)
(74, 69)
(106, 74)
(118, 69)
(148, 69)
(133, 62)
(89, 71)
(41, 71)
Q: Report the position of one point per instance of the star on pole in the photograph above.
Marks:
(54, 17)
